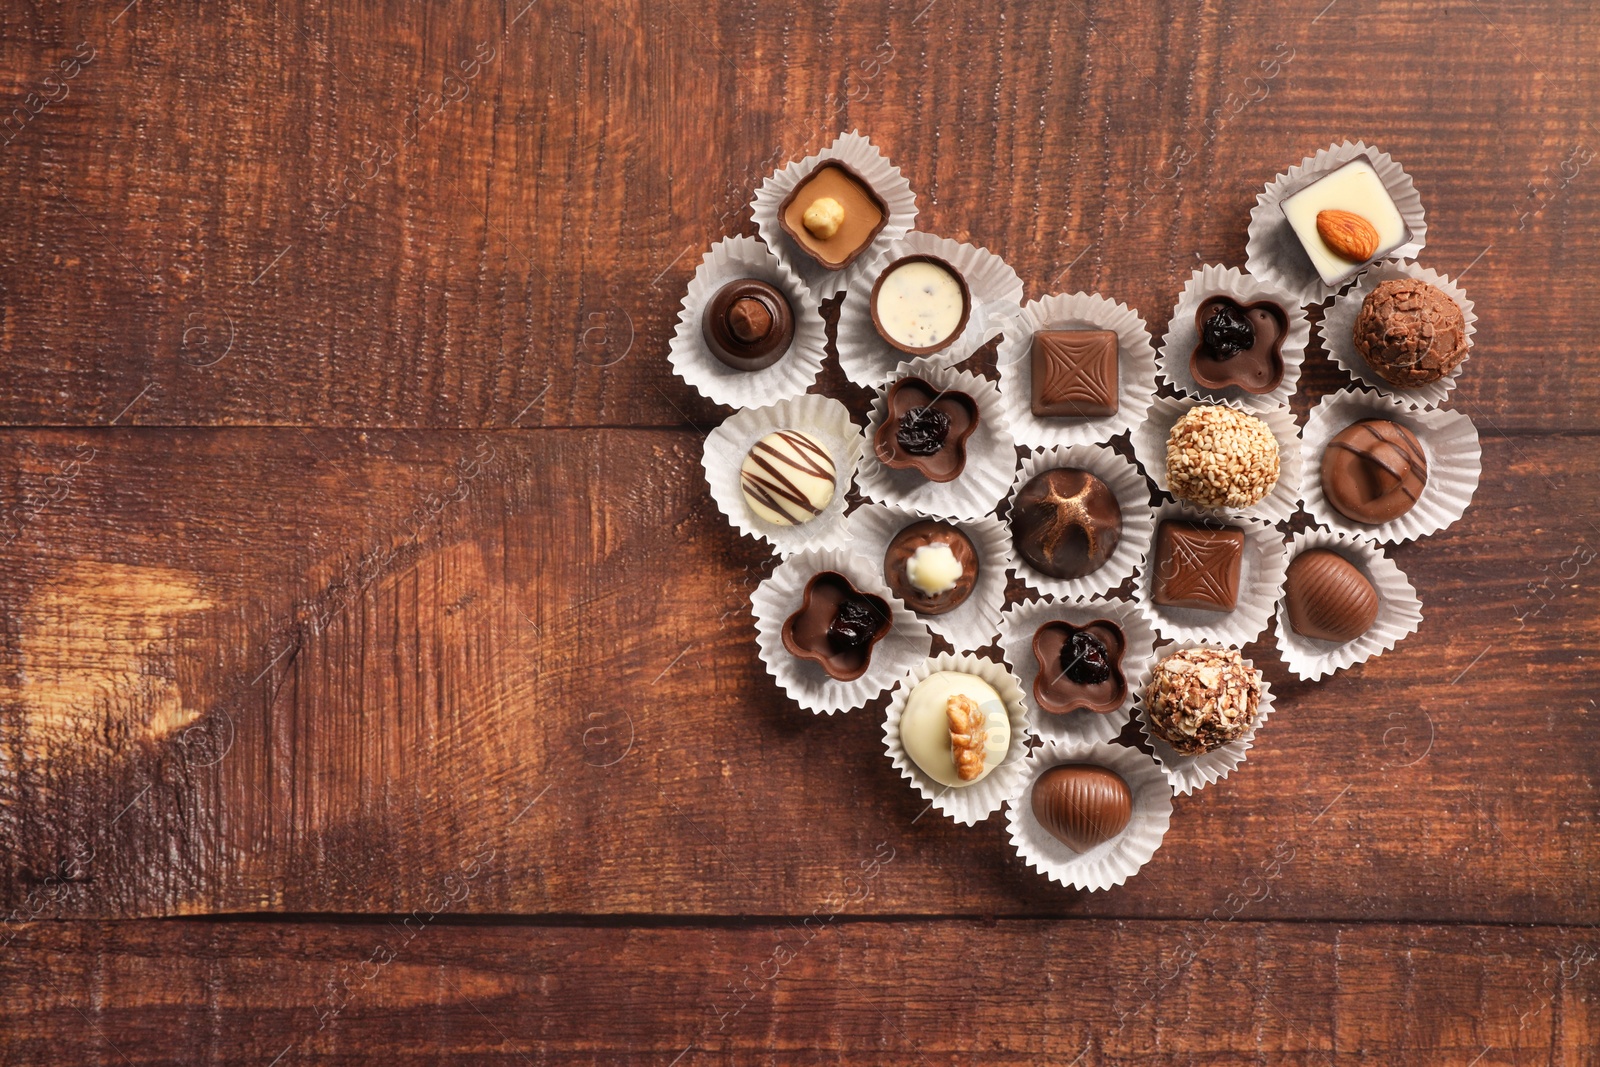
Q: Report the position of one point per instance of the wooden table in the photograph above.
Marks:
(379, 677)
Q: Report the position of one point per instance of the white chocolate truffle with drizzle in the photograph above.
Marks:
(788, 478)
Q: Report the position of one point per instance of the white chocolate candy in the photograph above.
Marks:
(919, 304)
(925, 725)
(788, 478)
(933, 569)
(1354, 187)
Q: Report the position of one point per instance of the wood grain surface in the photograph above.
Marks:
(359, 576)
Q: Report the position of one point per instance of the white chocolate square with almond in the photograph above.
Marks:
(1354, 187)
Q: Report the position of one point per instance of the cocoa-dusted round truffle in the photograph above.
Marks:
(1066, 522)
(932, 566)
(1200, 699)
(748, 324)
(1410, 333)
(1373, 471)
(1221, 457)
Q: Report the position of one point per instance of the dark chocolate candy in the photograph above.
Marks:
(1063, 683)
(904, 546)
(865, 214)
(1081, 804)
(748, 324)
(1220, 360)
(1197, 566)
(1328, 598)
(1074, 373)
(837, 626)
(1066, 522)
(949, 459)
(1373, 471)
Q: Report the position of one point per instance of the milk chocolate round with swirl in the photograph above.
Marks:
(1328, 598)
(1066, 522)
(748, 324)
(1081, 804)
(1373, 471)
(932, 566)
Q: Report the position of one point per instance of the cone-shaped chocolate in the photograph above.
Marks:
(1081, 804)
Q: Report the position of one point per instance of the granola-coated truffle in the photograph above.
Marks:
(1220, 457)
(1202, 698)
(1410, 333)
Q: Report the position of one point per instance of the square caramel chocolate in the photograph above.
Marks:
(1198, 566)
(1075, 373)
(865, 214)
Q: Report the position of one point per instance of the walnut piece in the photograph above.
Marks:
(967, 736)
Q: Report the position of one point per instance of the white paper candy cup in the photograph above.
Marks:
(991, 454)
(1138, 518)
(1261, 567)
(1449, 442)
(727, 445)
(862, 156)
(969, 804)
(1338, 325)
(1109, 863)
(1399, 610)
(1182, 337)
(1274, 254)
(996, 291)
(1191, 773)
(1136, 364)
(1017, 627)
(1150, 446)
(781, 595)
(975, 621)
(731, 260)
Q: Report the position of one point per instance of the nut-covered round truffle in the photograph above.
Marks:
(1221, 457)
(1202, 698)
(1410, 333)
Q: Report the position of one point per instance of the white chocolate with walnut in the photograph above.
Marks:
(955, 728)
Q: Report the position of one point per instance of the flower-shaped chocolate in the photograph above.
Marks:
(1240, 344)
(837, 626)
(1079, 667)
(925, 429)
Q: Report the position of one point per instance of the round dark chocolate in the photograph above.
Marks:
(1328, 598)
(1373, 471)
(1081, 804)
(904, 546)
(748, 324)
(1066, 522)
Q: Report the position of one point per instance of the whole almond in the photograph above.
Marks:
(1349, 235)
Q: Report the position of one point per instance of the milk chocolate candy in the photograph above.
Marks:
(1374, 471)
(925, 429)
(932, 566)
(1197, 566)
(1074, 373)
(748, 324)
(1328, 598)
(837, 626)
(1079, 667)
(1240, 344)
(1081, 804)
(863, 212)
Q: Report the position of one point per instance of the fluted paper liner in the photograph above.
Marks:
(1150, 446)
(862, 156)
(1136, 364)
(991, 455)
(1021, 621)
(1274, 254)
(730, 260)
(1179, 344)
(970, 804)
(1399, 610)
(1109, 863)
(1138, 519)
(1261, 566)
(1449, 442)
(974, 622)
(779, 596)
(1337, 330)
(1191, 773)
(727, 445)
(996, 291)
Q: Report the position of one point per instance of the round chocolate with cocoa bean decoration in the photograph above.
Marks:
(748, 324)
(1066, 522)
(1081, 804)
(1373, 471)
(932, 566)
(1328, 598)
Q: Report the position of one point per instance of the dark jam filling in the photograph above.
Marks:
(1227, 332)
(852, 627)
(922, 431)
(1084, 659)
